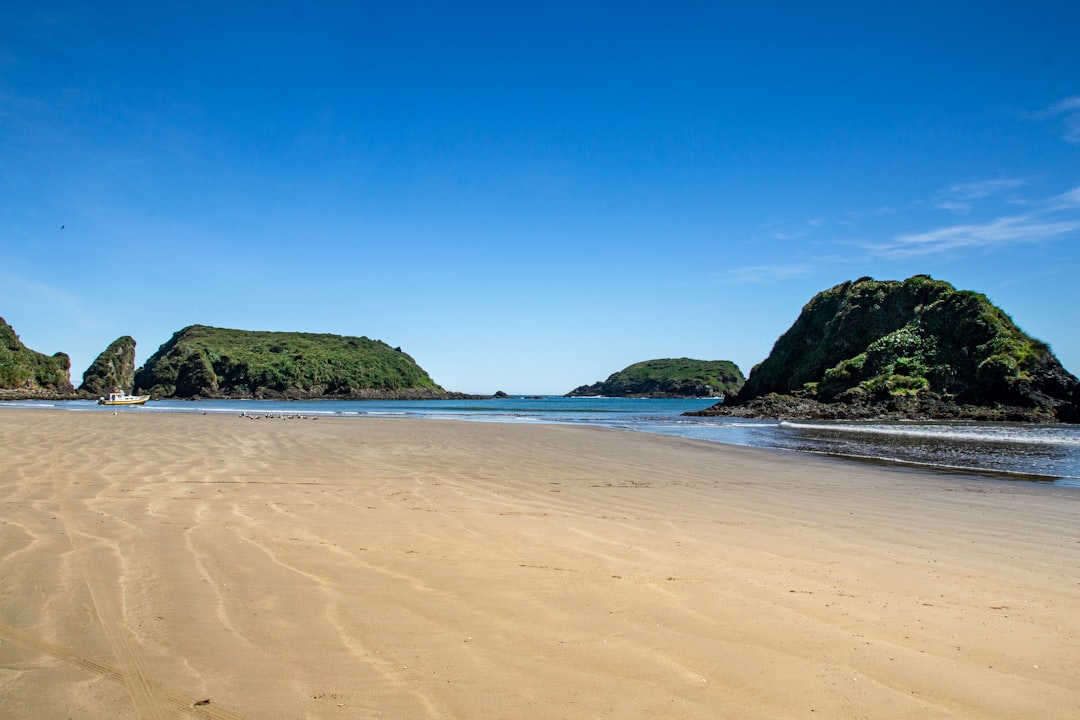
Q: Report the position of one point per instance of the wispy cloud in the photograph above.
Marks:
(1034, 218)
(1069, 110)
(1070, 199)
(47, 295)
(1000, 231)
(763, 274)
(854, 217)
(959, 197)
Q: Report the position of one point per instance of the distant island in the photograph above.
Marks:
(912, 349)
(668, 378)
(209, 362)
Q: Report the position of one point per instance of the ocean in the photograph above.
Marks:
(1032, 453)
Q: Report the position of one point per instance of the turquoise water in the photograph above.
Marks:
(1049, 453)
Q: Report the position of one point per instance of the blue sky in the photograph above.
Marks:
(529, 197)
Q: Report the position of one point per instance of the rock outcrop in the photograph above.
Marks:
(112, 370)
(207, 362)
(27, 373)
(668, 378)
(918, 348)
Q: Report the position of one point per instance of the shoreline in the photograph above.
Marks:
(277, 408)
(380, 567)
(789, 407)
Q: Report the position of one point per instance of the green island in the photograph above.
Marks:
(669, 378)
(208, 362)
(113, 369)
(26, 372)
(917, 348)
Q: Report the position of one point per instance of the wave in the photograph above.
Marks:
(1032, 435)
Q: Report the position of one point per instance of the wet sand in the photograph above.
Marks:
(174, 566)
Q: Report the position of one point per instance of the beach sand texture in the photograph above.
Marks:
(216, 566)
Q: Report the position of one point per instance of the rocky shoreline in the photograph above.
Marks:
(42, 394)
(786, 407)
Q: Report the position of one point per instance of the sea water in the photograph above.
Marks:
(1046, 453)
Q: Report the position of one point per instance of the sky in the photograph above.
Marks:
(528, 197)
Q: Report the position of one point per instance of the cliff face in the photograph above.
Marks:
(201, 361)
(112, 369)
(668, 377)
(916, 346)
(26, 371)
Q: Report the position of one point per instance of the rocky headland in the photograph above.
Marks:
(916, 349)
(26, 373)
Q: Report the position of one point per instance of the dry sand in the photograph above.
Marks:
(172, 566)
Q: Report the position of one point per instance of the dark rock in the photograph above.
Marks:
(114, 369)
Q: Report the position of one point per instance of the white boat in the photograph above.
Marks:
(120, 398)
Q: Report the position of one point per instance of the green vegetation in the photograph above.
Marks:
(25, 369)
(869, 341)
(669, 377)
(201, 361)
(112, 369)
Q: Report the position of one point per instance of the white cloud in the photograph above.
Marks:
(1069, 103)
(960, 208)
(1068, 199)
(764, 274)
(958, 197)
(1001, 231)
(1070, 109)
(1072, 128)
(985, 188)
(44, 294)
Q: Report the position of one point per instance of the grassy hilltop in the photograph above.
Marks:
(668, 377)
(25, 370)
(919, 347)
(201, 361)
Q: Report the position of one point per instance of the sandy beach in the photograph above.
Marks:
(217, 566)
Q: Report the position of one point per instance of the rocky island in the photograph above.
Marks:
(668, 378)
(25, 373)
(209, 362)
(113, 369)
(916, 349)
